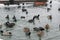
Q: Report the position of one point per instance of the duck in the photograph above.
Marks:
(5, 33)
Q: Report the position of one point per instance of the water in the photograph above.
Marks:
(17, 30)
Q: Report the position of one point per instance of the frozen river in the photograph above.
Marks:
(17, 30)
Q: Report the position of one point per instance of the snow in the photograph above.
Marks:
(17, 31)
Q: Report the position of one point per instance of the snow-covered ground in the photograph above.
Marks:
(17, 31)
